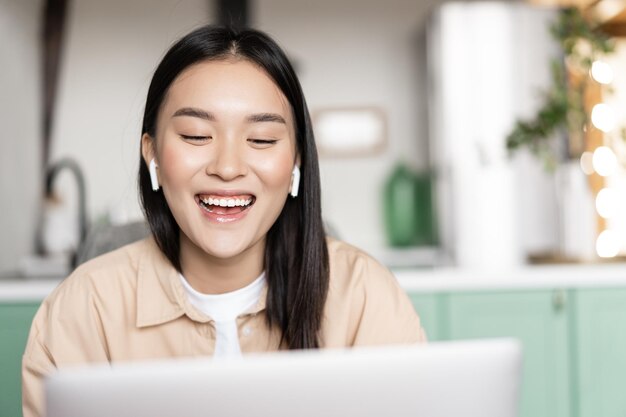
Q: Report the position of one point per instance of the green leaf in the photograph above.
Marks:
(563, 107)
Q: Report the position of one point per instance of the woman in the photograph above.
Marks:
(238, 260)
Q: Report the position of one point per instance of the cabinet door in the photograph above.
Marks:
(539, 320)
(600, 350)
(15, 320)
(428, 307)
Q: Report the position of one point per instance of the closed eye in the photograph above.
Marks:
(195, 138)
(262, 142)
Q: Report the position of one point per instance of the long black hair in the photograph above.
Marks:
(296, 255)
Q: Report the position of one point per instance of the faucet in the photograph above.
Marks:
(51, 174)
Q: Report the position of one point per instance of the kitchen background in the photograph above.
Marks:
(349, 53)
(441, 82)
(446, 92)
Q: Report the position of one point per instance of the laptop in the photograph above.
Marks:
(442, 379)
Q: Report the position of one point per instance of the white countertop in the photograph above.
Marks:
(424, 280)
(526, 277)
(26, 289)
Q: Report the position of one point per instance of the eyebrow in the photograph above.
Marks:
(194, 112)
(253, 118)
(266, 117)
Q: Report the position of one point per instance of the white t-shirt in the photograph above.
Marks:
(224, 310)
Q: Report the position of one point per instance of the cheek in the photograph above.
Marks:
(178, 163)
(276, 172)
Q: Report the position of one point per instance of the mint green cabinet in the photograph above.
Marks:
(15, 319)
(574, 342)
(599, 348)
(539, 319)
(428, 307)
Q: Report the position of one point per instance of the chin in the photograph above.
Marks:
(224, 251)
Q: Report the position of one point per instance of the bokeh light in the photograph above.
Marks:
(606, 203)
(607, 244)
(603, 117)
(604, 161)
(586, 163)
(602, 72)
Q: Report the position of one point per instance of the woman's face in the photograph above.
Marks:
(225, 151)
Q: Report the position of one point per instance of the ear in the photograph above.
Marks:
(147, 148)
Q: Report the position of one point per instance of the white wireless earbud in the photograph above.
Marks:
(295, 181)
(153, 175)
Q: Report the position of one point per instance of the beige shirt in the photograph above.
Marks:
(130, 305)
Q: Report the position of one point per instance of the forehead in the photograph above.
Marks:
(227, 85)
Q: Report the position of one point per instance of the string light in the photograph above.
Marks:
(606, 203)
(603, 117)
(586, 163)
(602, 72)
(604, 161)
(607, 244)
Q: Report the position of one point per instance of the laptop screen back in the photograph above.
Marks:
(445, 379)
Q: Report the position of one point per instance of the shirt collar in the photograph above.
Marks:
(160, 294)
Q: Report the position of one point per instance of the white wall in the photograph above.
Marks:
(536, 192)
(355, 53)
(20, 118)
(111, 52)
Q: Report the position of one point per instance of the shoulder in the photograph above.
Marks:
(71, 323)
(124, 257)
(365, 304)
(352, 266)
(347, 260)
(110, 274)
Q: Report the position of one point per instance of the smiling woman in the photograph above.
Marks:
(238, 260)
(225, 136)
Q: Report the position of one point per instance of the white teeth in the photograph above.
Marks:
(226, 202)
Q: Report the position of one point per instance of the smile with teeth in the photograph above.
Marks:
(225, 204)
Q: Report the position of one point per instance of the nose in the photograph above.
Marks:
(227, 160)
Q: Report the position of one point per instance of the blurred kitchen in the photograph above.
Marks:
(476, 148)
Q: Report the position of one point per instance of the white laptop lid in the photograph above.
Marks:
(442, 379)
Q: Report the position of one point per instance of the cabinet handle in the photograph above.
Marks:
(558, 300)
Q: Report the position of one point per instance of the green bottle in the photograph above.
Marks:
(426, 231)
(409, 219)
